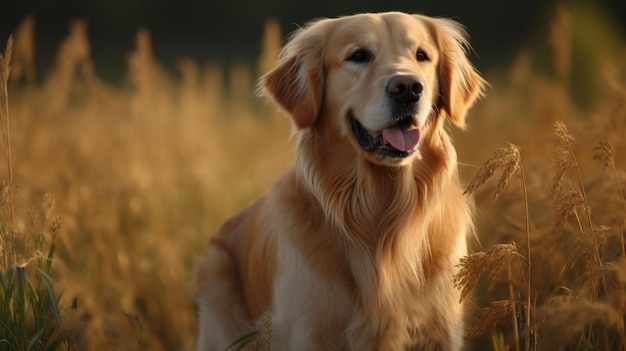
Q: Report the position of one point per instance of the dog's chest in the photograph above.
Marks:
(345, 286)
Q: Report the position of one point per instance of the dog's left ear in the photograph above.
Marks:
(297, 82)
(459, 83)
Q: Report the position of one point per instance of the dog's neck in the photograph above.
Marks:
(369, 202)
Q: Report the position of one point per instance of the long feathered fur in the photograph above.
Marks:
(345, 253)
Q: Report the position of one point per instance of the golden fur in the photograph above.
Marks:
(355, 246)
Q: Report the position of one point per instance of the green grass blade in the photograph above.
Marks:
(244, 341)
(3, 281)
(36, 340)
(48, 284)
(19, 312)
(50, 256)
(7, 293)
(13, 342)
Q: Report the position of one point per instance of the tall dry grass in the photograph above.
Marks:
(560, 214)
(143, 173)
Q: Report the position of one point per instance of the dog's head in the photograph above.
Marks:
(381, 81)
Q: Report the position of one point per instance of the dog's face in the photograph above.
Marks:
(378, 81)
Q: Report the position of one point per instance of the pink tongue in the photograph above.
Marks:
(402, 139)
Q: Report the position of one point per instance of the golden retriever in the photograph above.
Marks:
(356, 245)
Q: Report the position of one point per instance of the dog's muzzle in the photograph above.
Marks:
(401, 137)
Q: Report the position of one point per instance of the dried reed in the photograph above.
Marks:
(564, 146)
(567, 204)
(565, 319)
(475, 264)
(604, 152)
(5, 67)
(506, 159)
(488, 318)
(509, 160)
(587, 276)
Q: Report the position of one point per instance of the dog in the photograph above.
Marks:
(356, 245)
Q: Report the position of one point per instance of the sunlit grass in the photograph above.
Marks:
(145, 172)
(30, 316)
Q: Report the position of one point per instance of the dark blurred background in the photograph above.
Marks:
(227, 30)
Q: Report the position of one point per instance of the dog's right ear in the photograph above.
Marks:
(297, 82)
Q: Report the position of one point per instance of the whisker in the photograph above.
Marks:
(466, 165)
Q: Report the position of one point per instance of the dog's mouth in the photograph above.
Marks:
(398, 140)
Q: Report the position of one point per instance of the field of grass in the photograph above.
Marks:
(108, 193)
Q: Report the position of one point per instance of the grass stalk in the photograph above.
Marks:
(596, 251)
(584, 194)
(528, 258)
(623, 200)
(30, 317)
(589, 220)
(513, 307)
(566, 158)
(603, 151)
(6, 71)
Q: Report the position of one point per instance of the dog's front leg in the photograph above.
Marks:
(308, 312)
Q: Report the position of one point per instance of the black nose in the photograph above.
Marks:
(405, 89)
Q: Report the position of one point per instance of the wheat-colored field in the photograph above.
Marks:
(109, 192)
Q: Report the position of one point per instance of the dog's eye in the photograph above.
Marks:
(421, 56)
(360, 56)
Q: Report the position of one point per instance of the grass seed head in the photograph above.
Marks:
(590, 243)
(566, 205)
(473, 265)
(563, 142)
(5, 61)
(264, 338)
(489, 317)
(506, 159)
(603, 152)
